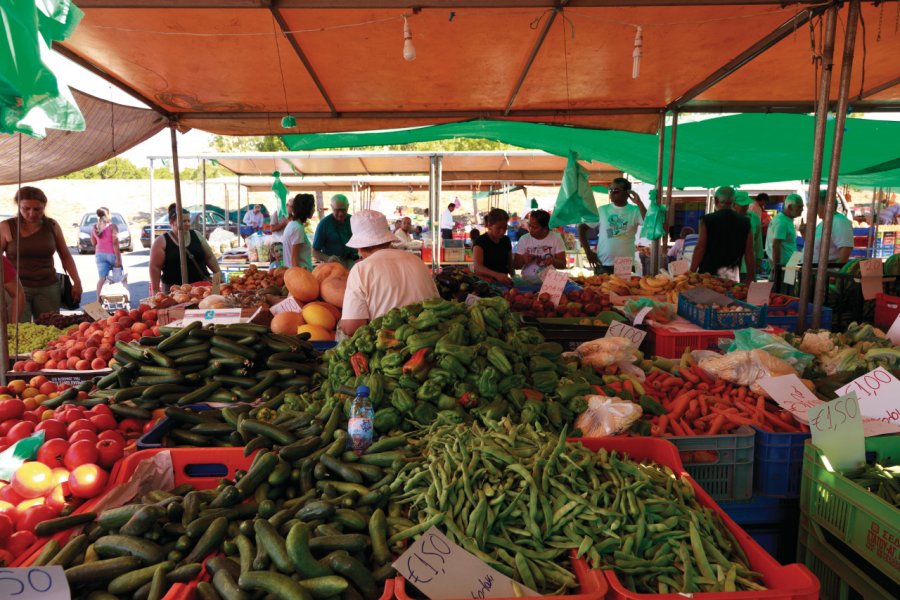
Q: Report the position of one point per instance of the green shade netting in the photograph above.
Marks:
(32, 99)
(745, 149)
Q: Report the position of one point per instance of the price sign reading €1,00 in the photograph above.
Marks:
(837, 429)
(879, 394)
(619, 329)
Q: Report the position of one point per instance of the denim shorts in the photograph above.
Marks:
(105, 262)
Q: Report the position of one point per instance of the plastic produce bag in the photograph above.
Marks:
(604, 352)
(661, 312)
(655, 221)
(575, 203)
(756, 339)
(746, 367)
(607, 416)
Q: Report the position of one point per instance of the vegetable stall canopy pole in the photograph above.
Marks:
(179, 219)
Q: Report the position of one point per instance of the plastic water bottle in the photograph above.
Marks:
(361, 424)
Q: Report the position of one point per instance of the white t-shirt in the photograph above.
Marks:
(295, 234)
(616, 232)
(254, 219)
(841, 237)
(387, 279)
(447, 220)
(548, 247)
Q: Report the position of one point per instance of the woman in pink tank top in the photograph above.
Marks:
(105, 236)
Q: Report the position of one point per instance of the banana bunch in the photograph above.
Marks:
(616, 285)
(653, 285)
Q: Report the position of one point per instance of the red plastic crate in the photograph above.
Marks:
(672, 344)
(785, 582)
(887, 308)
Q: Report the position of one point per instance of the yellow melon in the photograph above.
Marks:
(334, 310)
(316, 333)
(332, 290)
(286, 323)
(301, 284)
(316, 314)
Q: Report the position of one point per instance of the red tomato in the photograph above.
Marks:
(33, 480)
(11, 408)
(6, 425)
(8, 494)
(9, 510)
(26, 504)
(131, 425)
(79, 424)
(70, 415)
(32, 417)
(108, 452)
(83, 434)
(59, 496)
(52, 428)
(6, 529)
(20, 541)
(80, 453)
(51, 452)
(6, 557)
(29, 519)
(87, 481)
(103, 422)
(60, 475)
(20, 431)
(111, 434)
(101, 409)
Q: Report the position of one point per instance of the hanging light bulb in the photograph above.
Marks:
(638, 52)
(409, 50)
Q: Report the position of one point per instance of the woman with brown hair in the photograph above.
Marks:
(30, 239)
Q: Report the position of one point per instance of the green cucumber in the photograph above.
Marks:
(351, 542)
(326, 586)
(131, 581)
(101, 570)
(274, 545)
(110, 546)
(51, 526)
(297, 544)
(280, 587)
(209, 541)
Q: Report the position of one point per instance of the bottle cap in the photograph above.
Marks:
(362, 390)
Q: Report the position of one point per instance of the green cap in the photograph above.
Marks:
(341, 200)
(742, 199)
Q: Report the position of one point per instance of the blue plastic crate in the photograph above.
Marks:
(155, 437)
(758, 510)
(778, 468)
(789, 323)
(323, 346)
(711, 318)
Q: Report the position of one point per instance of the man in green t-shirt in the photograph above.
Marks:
(781, 239)
(742, 204)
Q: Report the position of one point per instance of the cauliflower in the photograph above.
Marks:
(818, 343)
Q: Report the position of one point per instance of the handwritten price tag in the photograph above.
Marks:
(871, 274)
(622, 266)
(837, 429)
(618, 329)
(790, 394)
(95, 311)
(442, 570)
(759, 291)
(678, 267)
(791, 268)
(47, 583)
(286, 305)
(879, 395)
(554, 284)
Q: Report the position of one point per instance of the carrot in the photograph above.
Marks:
(662, 425)
(703, 375)
(680, 404)
(689, 376)
(693, 410)
(687, 428)
(718, 388)
(704, 407)
(703, 386)
(716, 426)
(741, 393)
(760, 404)
(733, 417)
(675, 425)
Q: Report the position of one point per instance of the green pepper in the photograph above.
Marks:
(365, 343)
(554, 413)
(410, 311)
(392, 319)
(448, 417)
(394, 359)
(392, 372)
(418, 341)
(511, 382)
(408, 383)
(441, 377)
(386, 340)
(386, 419)
(528, 336)
(449, 363)
(577, 404)
(495, 410)
(545, 381)
(403, 332)
(430, 390)
(456, 334)
(463, 354)
(652, 407)
(487, 383)
(532, 411)
(427, 319)
(568, 391)
(549, 350)
(375, 382)
(539, 363)
(402, 400)
(446, 402)
(498, 360)
(424, 413)
(491, 318)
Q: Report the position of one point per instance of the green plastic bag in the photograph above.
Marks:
(655, 221)
(13, 457)
(756, 339)
(281, 192)
(575, 203)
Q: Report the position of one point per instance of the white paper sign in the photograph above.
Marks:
(623, 266)
(286, 305)
(31, 583)
(95, 311)
(790, 394)
(642, 314)
(623, 330)
(879, 395)
(213, 315)
(554, 284)
(216, 282)
(679, 267)
(442, 570)
(894, 332)
(837, 429)
(791, 268)
(758, 293)
(871, 273)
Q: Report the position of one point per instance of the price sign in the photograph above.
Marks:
(216, 282)
(678, 267)
(879, 395)
(95, 311)
(758, 293)
(46, 583)
(894, 332)
(442, 570)
(622, 330)
(790, 394)
(286, 305)
(837, 429)
(871, 274)
(623, 266)
(791, 268)
(554, 284)
(642, 314)
(213, 315)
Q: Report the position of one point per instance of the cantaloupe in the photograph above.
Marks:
(317, 314)
(326, 270)
(316, 333)
(332, 290)
(301, 284)
(286, 323)
(334, 310)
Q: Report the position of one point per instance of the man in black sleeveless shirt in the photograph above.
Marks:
(724, 239)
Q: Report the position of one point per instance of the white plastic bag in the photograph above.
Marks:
(744, 367)
(607, 416)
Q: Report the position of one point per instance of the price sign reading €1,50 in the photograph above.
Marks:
(837, 429)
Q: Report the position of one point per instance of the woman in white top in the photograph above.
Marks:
(297, 248)
(539, 248)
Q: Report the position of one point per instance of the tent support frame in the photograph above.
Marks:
(816, 173)
(654, 252)
(551, 18)
(285, 31)
(179, 218)
(670, 201)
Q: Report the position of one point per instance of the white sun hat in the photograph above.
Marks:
(370, 228)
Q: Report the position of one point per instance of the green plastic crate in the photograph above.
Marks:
(866, 523)
(839, 577)
(730, 476)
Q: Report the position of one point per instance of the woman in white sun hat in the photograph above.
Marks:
(384, 278)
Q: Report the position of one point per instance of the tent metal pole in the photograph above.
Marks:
(179, 222)
(870, 242)
(822, 102)
(833, 168)
(654, 253)
(431, 211)
(203, 217)
(237, 221)
(438, 182)
(4, 338)
(875, 222)
(152, 216)
(670, 202)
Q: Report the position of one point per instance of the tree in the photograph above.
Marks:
(248, 143)
(114, 168)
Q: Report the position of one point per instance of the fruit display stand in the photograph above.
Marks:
(59, 376)
(785, 317)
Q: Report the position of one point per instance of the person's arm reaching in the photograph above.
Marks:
(558, 260)
(636, 198)
(844, 254)
(750, 258)
(157, 259)
(699, 249)
(483, 271)
(586, 246)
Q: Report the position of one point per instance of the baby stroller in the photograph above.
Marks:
(115, 293)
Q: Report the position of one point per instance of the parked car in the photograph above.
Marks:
(88, 220)
(213, 221)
